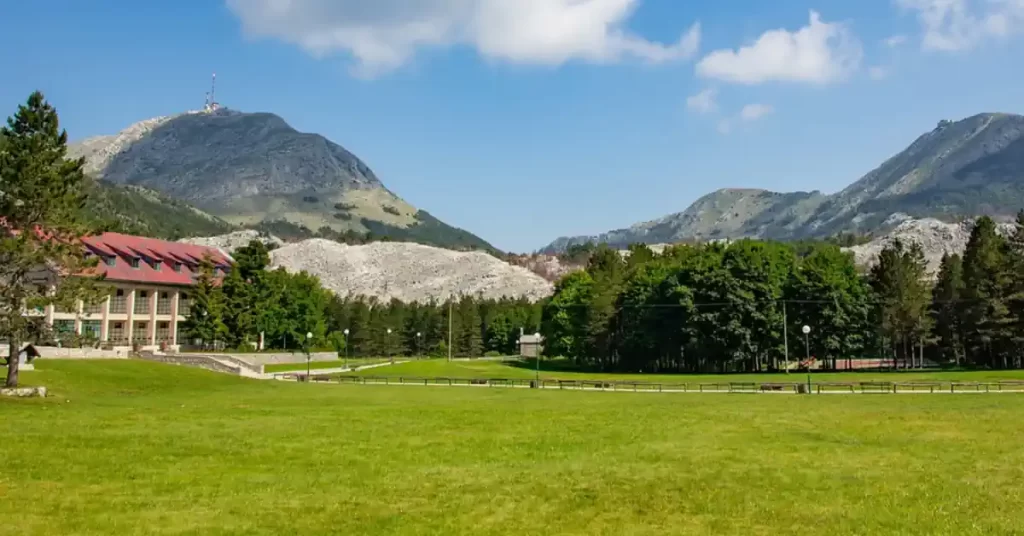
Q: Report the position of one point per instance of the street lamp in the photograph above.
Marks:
(346, 347)
(387, 344)
(807, 345)
(536, 339)
(309, 340)
(418, 335)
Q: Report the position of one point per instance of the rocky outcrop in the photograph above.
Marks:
(935, 237)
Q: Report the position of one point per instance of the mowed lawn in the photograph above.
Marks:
(133, 447)
(559, 369)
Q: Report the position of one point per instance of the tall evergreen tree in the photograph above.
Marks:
(945, 309)
(900, 280)
(206, 316)
(986, 281)
(41, 194)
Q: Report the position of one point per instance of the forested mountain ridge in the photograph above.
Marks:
(251, 169)
(968, 168)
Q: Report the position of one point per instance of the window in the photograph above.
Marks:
(91, 328)
(163, 304)
(141, 302)
(157, 264)
(111, 261)
(119, 303)
(63, 327)
(177, 267)
(135, 263)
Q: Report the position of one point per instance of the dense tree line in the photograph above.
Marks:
(285, 307)
(737, 307)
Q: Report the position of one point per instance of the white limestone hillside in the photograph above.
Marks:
(409, 272)
(386, 270)
(937, 238)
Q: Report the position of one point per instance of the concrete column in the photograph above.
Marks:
(174, 317)
(130, 300)
(79, 311)
(153, 300)
(104, 315)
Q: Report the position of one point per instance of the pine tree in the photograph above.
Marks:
(900, 283)
(945, 309)
(206, 316)
(41, 193)
(1015, 290)
(986, 280)
(239, 310)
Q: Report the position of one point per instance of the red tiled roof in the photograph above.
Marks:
(150, 250)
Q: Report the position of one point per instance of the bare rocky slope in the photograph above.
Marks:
(253, 168)
(937, 238)
(967, 168)
(385, 270)
(409, 272)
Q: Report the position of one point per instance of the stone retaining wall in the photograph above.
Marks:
(187, 360)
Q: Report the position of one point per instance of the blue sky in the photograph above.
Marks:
(525, 120)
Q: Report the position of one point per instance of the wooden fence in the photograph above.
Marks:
(869, 387)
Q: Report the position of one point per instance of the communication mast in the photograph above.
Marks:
(211, 97)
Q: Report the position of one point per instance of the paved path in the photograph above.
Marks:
(339, 370)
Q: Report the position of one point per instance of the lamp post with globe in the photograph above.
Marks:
(346, 347)
(309, 356)
(387, 343)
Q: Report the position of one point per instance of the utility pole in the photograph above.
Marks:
(785, 333)
(449, 330)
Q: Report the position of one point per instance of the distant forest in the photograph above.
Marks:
(734, 307)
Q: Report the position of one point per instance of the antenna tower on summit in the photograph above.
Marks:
(211, 98)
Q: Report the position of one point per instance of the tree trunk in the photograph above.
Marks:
(12, 362)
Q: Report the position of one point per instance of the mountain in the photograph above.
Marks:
(137, 210)
(965, 168)
(253, 168)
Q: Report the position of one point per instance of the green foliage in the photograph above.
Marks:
(137, 211)
(428, 231)
(706, 308)
(208, 309)
(41, 195)
(899, 280)
(945, 309)
(987, 284)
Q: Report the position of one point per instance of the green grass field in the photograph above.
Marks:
(561, 370)
(131, 447)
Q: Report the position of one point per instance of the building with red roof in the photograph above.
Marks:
(149, 282)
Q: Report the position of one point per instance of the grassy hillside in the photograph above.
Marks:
(130, 447)
(136, 210)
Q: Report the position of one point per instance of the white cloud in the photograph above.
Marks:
(955, 25)
(724, 126)
(382, 35)
(703, 102)
(753, 112)
(878, 72)
(819, 53)
(895, 41)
